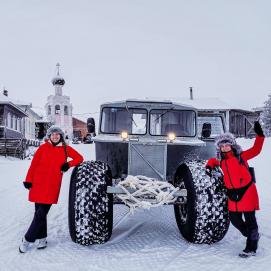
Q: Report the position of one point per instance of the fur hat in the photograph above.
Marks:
(54, 129)
(228, 138)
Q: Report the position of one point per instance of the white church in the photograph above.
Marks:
(58, 107)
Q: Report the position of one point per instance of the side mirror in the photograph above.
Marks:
(91, 125)
(206, 130)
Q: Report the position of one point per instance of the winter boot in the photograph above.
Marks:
(42, 243)
(251, 248)
(247, 254)
(24, 246)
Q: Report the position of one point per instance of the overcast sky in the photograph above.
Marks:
(118, 49)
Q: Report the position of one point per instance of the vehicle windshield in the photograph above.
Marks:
(165, 121)
(118, 119)
(216, 125)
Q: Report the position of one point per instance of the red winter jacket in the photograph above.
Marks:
(236, 175)
(45, 172)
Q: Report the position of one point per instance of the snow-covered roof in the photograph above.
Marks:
(259, 109)
(6, 100)
(20, 102)
(39, 111)
(206, 103)
(211, 103)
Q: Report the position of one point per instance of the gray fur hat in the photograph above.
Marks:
(54, 129)
(229, 139)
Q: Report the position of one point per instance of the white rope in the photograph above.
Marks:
(145, 188)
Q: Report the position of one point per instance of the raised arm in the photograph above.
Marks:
(255, 150)
(258, 143)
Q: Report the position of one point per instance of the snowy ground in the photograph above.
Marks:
(147, 240)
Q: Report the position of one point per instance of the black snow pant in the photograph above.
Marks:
(38, 227)
(248, 228)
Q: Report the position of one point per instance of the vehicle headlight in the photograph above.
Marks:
(124, 135)
(171, 136)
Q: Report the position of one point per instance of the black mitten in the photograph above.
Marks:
(27, 185)
(208, 171)
(65, 167)
(258, 129)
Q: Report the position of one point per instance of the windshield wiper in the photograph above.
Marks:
(163, 114)
(131, 115)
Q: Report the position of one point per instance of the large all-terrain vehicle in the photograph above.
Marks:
(163, 141)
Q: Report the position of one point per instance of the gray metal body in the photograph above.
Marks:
(152, 156)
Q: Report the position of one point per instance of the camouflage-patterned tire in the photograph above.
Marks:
(204, 218)
(90, 207)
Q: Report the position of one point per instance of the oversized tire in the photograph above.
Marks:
(90, 207)
(204, 218)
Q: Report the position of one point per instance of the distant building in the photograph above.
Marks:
(16, 130)
(12, 118)
(79, 128)
(58, 107)
(33, 115)
(239, 121)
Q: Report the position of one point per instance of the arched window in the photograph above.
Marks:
(49, 109)
(57, 109)
(66, 110)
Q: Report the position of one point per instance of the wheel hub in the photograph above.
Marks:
(183, 207)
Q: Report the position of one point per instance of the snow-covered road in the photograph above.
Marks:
(148, 240)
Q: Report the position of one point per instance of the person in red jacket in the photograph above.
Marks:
(241, 190)
(44, 179)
